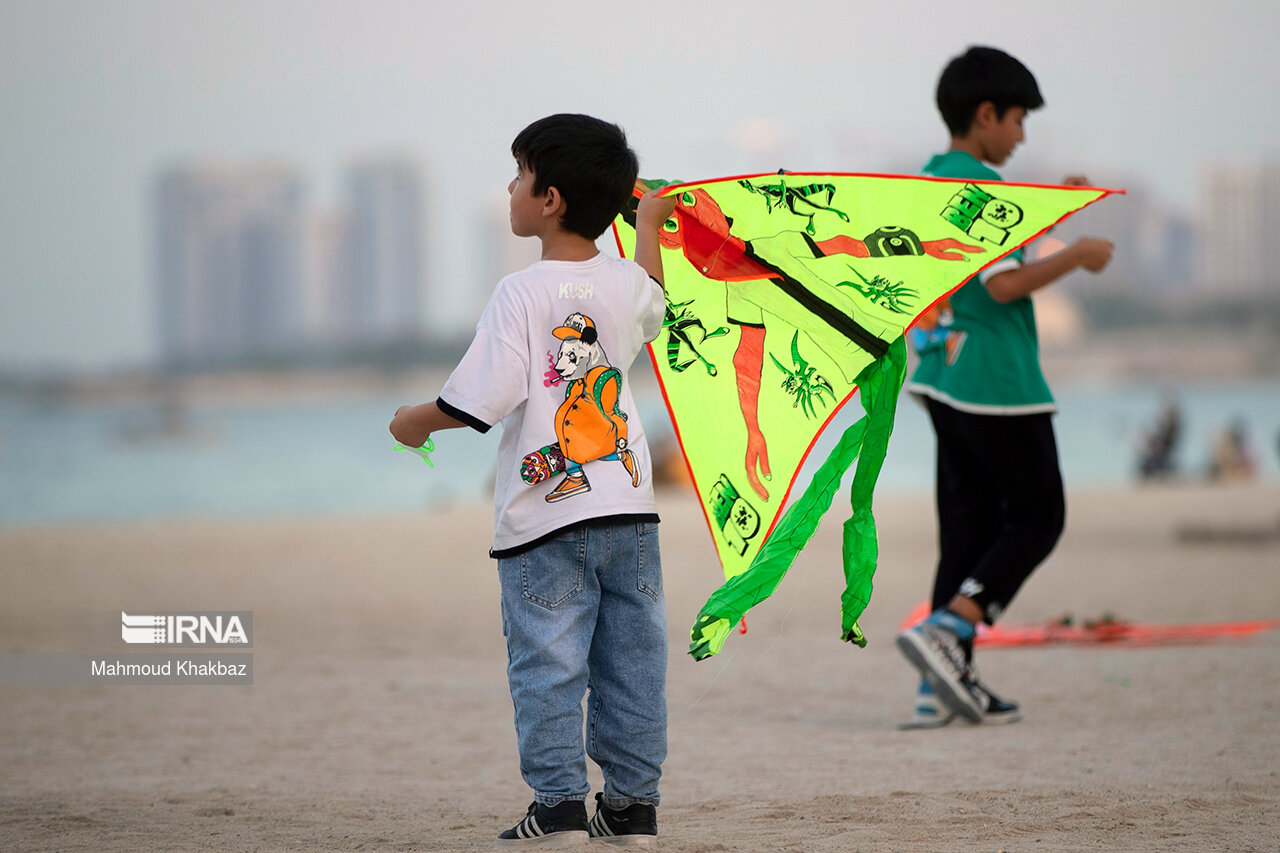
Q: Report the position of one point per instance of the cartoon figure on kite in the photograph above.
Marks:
(781, 194)
(686, 332)
(589, 425)
(704, 234)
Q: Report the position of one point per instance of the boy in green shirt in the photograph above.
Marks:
(999, 489)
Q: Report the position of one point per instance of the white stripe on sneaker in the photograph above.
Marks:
(935, 653)
(599, 827)
(529, 828)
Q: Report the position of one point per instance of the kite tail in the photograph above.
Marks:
(740, 593)
(866, 441)
(861, 546)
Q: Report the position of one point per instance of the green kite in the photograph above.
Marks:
(821, 273)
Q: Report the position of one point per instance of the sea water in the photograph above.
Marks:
(62, 462)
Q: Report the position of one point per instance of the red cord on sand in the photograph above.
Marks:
(1107, 629)
(742, 626)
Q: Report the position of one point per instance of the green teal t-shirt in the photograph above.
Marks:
(988, 360)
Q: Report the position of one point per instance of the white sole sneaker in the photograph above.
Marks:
(566, 840)
(921, 649)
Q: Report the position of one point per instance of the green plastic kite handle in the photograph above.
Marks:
(421, 451)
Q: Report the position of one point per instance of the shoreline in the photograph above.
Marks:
(671, 495)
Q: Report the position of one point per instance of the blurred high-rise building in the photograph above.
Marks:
(1239, 224)
(385, 207)
(325, 273)
(1153, 243)
(228, 257)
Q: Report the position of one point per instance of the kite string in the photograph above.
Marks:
(710, 684)
(782, 626)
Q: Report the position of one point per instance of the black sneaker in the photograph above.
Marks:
(561, 825)
(940, 657)
(995, 711)
(634, 826)
(932, 714)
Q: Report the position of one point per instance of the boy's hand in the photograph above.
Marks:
(653, 211)
(1093, 253)
(406, 431)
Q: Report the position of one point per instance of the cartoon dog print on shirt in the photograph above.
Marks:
(589, 425)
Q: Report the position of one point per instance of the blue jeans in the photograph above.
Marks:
(584, 613)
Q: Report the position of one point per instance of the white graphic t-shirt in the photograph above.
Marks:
(549, 362)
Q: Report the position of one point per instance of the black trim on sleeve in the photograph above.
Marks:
(603, 521)
(459, 415)
(655, 281)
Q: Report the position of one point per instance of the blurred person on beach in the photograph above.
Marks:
(1158, 445)
(1232, 460)
(1000, 497)
(576, 535)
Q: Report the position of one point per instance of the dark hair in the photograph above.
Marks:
(587, 160)
(984, 74)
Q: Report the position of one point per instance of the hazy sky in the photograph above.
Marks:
(95, 97)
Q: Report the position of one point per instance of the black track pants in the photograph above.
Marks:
(1000, 503)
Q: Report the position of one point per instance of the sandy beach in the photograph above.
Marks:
(379, 717)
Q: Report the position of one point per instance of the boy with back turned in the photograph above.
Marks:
(576, 525)
(999, 489)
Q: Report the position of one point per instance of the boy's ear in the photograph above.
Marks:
(985, 115)
(553, 203)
